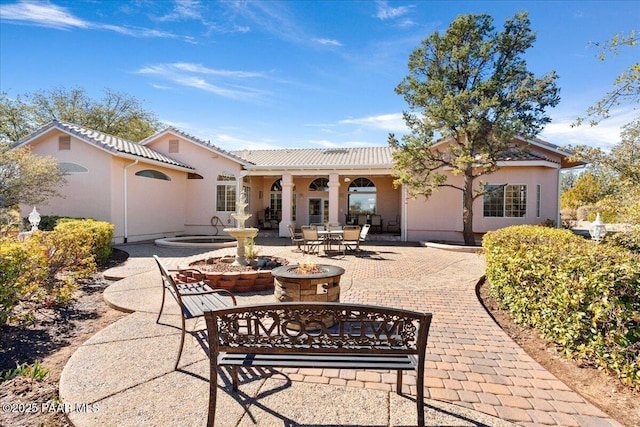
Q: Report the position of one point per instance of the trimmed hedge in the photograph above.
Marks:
(583, 296)
(45, 267)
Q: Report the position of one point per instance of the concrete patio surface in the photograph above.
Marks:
(475, 374)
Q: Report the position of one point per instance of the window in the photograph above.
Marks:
(71, 168)
(319, 184)
(193, 175)
(275, 200)
(154, 174)
(362, 197)
(505, 201)
(174, 146)
(64, 142)
(226, 192)
(538, 195)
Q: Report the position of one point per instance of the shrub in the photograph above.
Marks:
(45, 268)
(568, 217)
(586, 213)
(583, 296)
(47, 222)
(628, 239)
(100, 232)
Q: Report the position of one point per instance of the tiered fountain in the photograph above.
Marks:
(240, 232)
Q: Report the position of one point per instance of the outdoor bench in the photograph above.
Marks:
(317, 335)
(193, 298)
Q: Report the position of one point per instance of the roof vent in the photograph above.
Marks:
(336, 151)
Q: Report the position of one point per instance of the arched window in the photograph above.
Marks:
(71, 168)
(154, 174)
(319, 184)
(275, 200)
(362, 197)
(226, 192)
(193, 175)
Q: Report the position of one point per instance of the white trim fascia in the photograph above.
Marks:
(521, 163)
(314, 170)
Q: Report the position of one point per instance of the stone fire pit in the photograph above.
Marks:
(321, 285)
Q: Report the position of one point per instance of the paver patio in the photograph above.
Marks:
(472, 365)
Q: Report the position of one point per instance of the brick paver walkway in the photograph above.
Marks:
(470, 361)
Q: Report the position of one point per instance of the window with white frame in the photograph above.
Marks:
(226, 192)
(508, 201)
(538, 200)
(153, 174)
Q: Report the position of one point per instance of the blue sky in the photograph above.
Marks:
(276, 74)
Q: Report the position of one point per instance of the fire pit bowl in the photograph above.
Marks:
(320, 284)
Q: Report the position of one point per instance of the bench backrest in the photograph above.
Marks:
(302, 327)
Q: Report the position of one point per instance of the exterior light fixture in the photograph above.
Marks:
(34, 219)
(347, 179)
(597, 229)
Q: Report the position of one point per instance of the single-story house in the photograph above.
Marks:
(173, 183)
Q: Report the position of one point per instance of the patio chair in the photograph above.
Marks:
(296, 238)
(350, 238)
(362, 219)
(262, 222)
(363, 233)
(394, 224)
(311, 239)
(193, 298)
(376, 222)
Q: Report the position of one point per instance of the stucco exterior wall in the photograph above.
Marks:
(199, 195)
(440, 217)
(86, 194)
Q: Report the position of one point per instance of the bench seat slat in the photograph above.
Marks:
(404, 362)
(196, 305)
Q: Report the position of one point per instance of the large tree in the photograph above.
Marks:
(471, 88)
(116, 113)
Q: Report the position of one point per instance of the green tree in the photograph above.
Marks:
(626, 85)
(469, 86)
(27, 178)
(589, 188)
(116, 113)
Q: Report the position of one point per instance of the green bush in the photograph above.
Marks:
(583, 296)
(629, 239)
(47, 222)
(45, 267)
(101, 234)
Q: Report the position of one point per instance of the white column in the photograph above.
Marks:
(287, 204)
(334, 197)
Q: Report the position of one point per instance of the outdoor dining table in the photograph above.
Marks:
(330, 236)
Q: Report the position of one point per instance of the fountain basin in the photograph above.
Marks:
(205, 242)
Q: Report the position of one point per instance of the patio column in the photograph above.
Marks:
(287, 203)
(334, 197)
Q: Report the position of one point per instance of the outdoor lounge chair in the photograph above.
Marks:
(193, 298)
(363, 232)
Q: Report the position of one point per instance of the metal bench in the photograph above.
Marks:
(193, 298)
(317, 335)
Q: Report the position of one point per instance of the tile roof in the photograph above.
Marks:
(110, 143)
(319, 157)
(524, 155)
(195, 139)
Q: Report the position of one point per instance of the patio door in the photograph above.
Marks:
(318, 210)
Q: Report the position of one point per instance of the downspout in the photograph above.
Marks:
(125, 204)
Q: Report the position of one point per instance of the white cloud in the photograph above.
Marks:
(387, 12)
(604, 135)
(59, 18)
(328, 42)
(195, 76)
(389, 122)
(42, 14)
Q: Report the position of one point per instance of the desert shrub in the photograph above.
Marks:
(44, 269)
(629, 239)
(583, 296)
(21, 273)
(101, 234)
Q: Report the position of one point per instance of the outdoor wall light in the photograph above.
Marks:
(598, 229)
(34, 219)
(347, 179)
